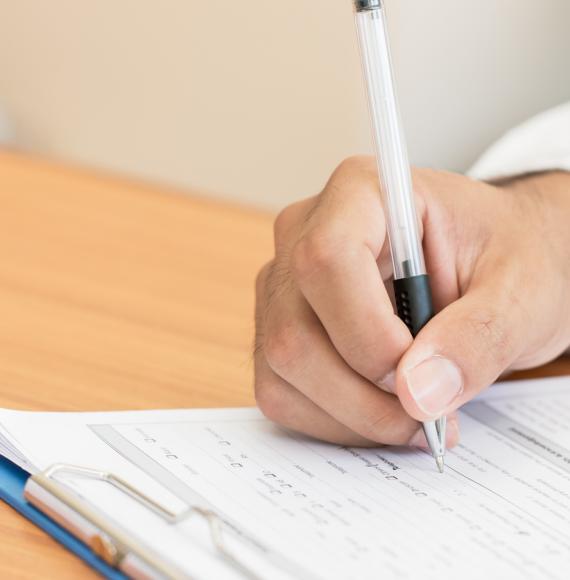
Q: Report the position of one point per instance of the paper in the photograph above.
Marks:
(304, 509)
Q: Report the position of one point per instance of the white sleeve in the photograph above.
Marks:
(540, 144)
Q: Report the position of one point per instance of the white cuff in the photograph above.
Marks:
(540, 144)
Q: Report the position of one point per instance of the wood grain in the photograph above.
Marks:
(118, 295)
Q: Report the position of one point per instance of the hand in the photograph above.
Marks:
(332, 359)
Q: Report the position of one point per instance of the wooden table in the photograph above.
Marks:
(118, 295)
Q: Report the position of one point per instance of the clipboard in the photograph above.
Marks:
(45, 500)
(12, 482)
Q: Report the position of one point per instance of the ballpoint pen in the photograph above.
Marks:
(411, 283)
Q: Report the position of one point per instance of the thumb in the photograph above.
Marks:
(460, 352)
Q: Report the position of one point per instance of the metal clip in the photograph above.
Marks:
(108, 539)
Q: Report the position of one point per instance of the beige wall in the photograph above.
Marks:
(259, 101)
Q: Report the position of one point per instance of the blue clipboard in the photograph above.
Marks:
(12, 482)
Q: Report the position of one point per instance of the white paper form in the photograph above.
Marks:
(312, 510)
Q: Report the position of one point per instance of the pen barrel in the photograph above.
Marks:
(413, 302)
(394, 173)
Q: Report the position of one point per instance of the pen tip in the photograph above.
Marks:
(440, 463)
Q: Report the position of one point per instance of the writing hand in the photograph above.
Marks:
(335, 362)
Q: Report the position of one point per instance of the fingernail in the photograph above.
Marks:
(434, 384)
(388, 383)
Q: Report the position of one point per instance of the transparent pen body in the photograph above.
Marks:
(391, 153)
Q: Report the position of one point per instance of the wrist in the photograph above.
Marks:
(546, 196)
(551, 187)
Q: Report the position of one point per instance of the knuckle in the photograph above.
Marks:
(261, 278)
(354, 163)
(270, 400)
(317, 250)
(282, 224)
(284, 349)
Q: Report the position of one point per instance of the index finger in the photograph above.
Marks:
(337, 264)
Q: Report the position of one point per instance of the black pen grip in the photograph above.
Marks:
(413, 302)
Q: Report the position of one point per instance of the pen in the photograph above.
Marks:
(411, 283)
